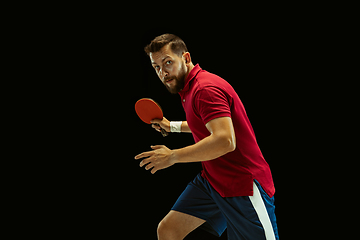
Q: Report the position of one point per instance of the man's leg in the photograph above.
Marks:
(176, 225)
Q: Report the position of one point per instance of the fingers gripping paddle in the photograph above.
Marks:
(147, 110)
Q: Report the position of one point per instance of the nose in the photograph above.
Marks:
(163, 74)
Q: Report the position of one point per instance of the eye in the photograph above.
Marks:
(157, 67)
(168, 62)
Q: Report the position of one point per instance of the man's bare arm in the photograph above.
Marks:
(220, 141)
(185, 127)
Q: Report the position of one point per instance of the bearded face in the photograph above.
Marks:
(170, 68)
(175, 84)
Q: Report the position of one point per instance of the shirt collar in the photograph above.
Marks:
(190, 77)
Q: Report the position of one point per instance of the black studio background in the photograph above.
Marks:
(98, 188)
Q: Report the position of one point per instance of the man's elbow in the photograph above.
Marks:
(229, 143)
(232, 144)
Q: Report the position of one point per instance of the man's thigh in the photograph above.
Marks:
(196, 201)
(176, 225)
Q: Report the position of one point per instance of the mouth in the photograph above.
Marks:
(168, 82)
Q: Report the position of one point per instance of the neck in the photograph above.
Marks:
(190, 67)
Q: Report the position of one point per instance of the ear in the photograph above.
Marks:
(187, 57)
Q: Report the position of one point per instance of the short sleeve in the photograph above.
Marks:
(211, 103)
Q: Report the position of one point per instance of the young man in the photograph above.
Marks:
(235, 188)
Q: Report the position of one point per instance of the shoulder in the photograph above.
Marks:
(206, 79)
(209, 83)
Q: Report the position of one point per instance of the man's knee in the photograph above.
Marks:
(167, 231)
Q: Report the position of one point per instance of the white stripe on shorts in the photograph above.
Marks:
(262, 213)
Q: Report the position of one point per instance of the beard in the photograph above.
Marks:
(179, 81)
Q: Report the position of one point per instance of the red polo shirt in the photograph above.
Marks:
(205, 97)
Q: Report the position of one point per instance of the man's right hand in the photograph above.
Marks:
(164, 124)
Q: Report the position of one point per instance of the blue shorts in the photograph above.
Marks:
(246, 217)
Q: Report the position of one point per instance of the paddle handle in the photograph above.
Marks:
(163, 132)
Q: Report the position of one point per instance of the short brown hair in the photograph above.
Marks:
(177, 44)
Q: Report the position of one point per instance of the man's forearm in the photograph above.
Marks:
(185, 127)
(221, 141)
(209, 148)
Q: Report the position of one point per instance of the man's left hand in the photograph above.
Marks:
(162, 157)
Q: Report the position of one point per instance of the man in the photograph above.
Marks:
(235, 188)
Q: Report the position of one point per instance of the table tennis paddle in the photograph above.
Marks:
(147, 110)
